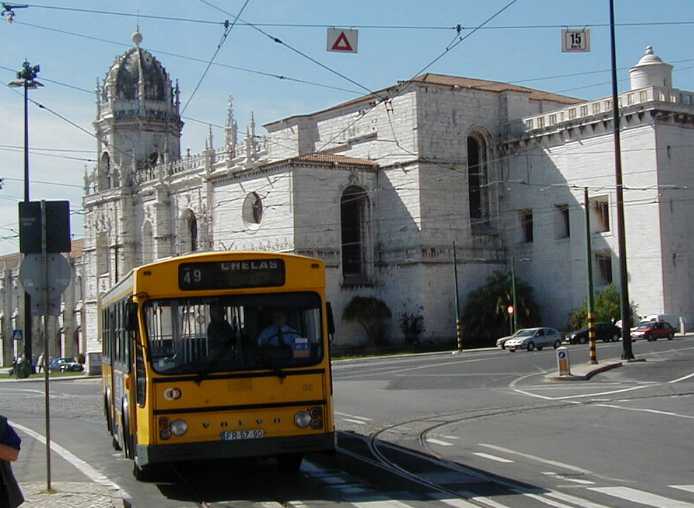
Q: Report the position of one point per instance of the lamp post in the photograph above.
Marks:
(26, 79)
(514, 314)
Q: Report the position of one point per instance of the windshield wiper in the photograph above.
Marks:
(205, 373)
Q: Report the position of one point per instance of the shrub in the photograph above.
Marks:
(372, 314)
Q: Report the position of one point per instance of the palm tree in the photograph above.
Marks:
(485, 317)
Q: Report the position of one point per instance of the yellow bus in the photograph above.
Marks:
(218, 355)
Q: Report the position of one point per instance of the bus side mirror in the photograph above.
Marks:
(331, 320)
(131, 316)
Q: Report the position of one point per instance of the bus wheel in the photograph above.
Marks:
(143, 474)
(290, 463)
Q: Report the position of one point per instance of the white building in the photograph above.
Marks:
(65, 337)
(381, 186)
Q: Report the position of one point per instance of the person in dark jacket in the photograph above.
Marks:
(10, 493)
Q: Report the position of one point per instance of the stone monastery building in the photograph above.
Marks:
(381, 186)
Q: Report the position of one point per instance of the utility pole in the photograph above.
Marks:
(458, 331)
(589, 267)
(627, 353)
(26, 79)
(513, 294)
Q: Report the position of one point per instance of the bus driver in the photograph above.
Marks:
(278, 332)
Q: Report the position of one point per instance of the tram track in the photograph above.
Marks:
(382, 454)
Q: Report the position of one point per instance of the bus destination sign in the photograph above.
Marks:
(249, 273)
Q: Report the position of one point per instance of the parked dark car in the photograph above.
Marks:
(605, 332)
(65, 364)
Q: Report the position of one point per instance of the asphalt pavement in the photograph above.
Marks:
(481, 428)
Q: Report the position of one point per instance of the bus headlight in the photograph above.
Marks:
(172, 394)
(302, 419)
(178, 427)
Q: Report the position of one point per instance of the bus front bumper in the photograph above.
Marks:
(160, 454)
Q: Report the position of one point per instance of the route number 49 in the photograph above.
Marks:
(575, 40)
(192, 276)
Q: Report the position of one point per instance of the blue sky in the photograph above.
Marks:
(385, 56)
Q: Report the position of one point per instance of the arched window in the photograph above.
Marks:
(105, 180)
(103, 254)
(354, 217)
(147, 243)
(252, 209)
(193, 229)
(477, 177)
(188, 232)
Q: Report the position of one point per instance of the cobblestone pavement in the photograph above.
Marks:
(71, 494)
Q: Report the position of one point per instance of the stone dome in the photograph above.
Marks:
(650, 71)
(136, 63)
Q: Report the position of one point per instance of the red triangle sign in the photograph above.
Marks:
(341, 43)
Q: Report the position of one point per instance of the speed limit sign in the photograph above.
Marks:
(575, 40)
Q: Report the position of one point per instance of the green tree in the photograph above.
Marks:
(607, 309)
(372, 314)
(485, 317)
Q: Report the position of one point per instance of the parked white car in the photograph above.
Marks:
(534, 338)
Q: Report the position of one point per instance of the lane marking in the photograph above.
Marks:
(569, 479)
(438, 442)
(461, 503)
(493, 457)
(78, 463)
(644, 410)
(352, 420)
(539, 459)
(686, 488)
(449, 437)
(390, 503)
(681, 378)
(354, 416)
(544, 500)
(455, 503)
(640, 496)
(583, 503)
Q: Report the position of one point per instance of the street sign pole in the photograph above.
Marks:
(589, 267)
(44, 311)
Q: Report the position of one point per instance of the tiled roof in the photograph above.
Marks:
(494, 86)
(12, 261)
(447, 80)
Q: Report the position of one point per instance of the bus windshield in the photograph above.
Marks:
(213, 334)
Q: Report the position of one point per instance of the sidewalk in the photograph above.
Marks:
(71, 494)
(74, 483)
(585, 371)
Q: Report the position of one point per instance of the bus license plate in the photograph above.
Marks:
(242, 434)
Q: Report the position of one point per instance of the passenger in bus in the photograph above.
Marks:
(278, 333)
(220, 334)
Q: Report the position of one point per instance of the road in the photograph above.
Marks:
(484, 428)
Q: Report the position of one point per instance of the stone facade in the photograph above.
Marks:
(382, 186)
(65, 332)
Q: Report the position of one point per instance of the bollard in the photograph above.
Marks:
(563, 363)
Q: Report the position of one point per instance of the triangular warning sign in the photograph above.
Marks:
(341, 43)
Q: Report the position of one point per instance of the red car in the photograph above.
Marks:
(654, 330)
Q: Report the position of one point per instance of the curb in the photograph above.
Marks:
(587, 375)
(51, 379)
(406, 355)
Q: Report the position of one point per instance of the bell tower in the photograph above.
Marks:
(138, 122)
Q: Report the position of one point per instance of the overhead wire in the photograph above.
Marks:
(194, 59)
(227, 30)
(294, 49)
(357, 25)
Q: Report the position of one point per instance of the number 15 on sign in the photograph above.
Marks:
(575, 40)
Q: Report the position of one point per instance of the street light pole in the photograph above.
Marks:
(26, 78)
(514, 315)
(627, 353)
